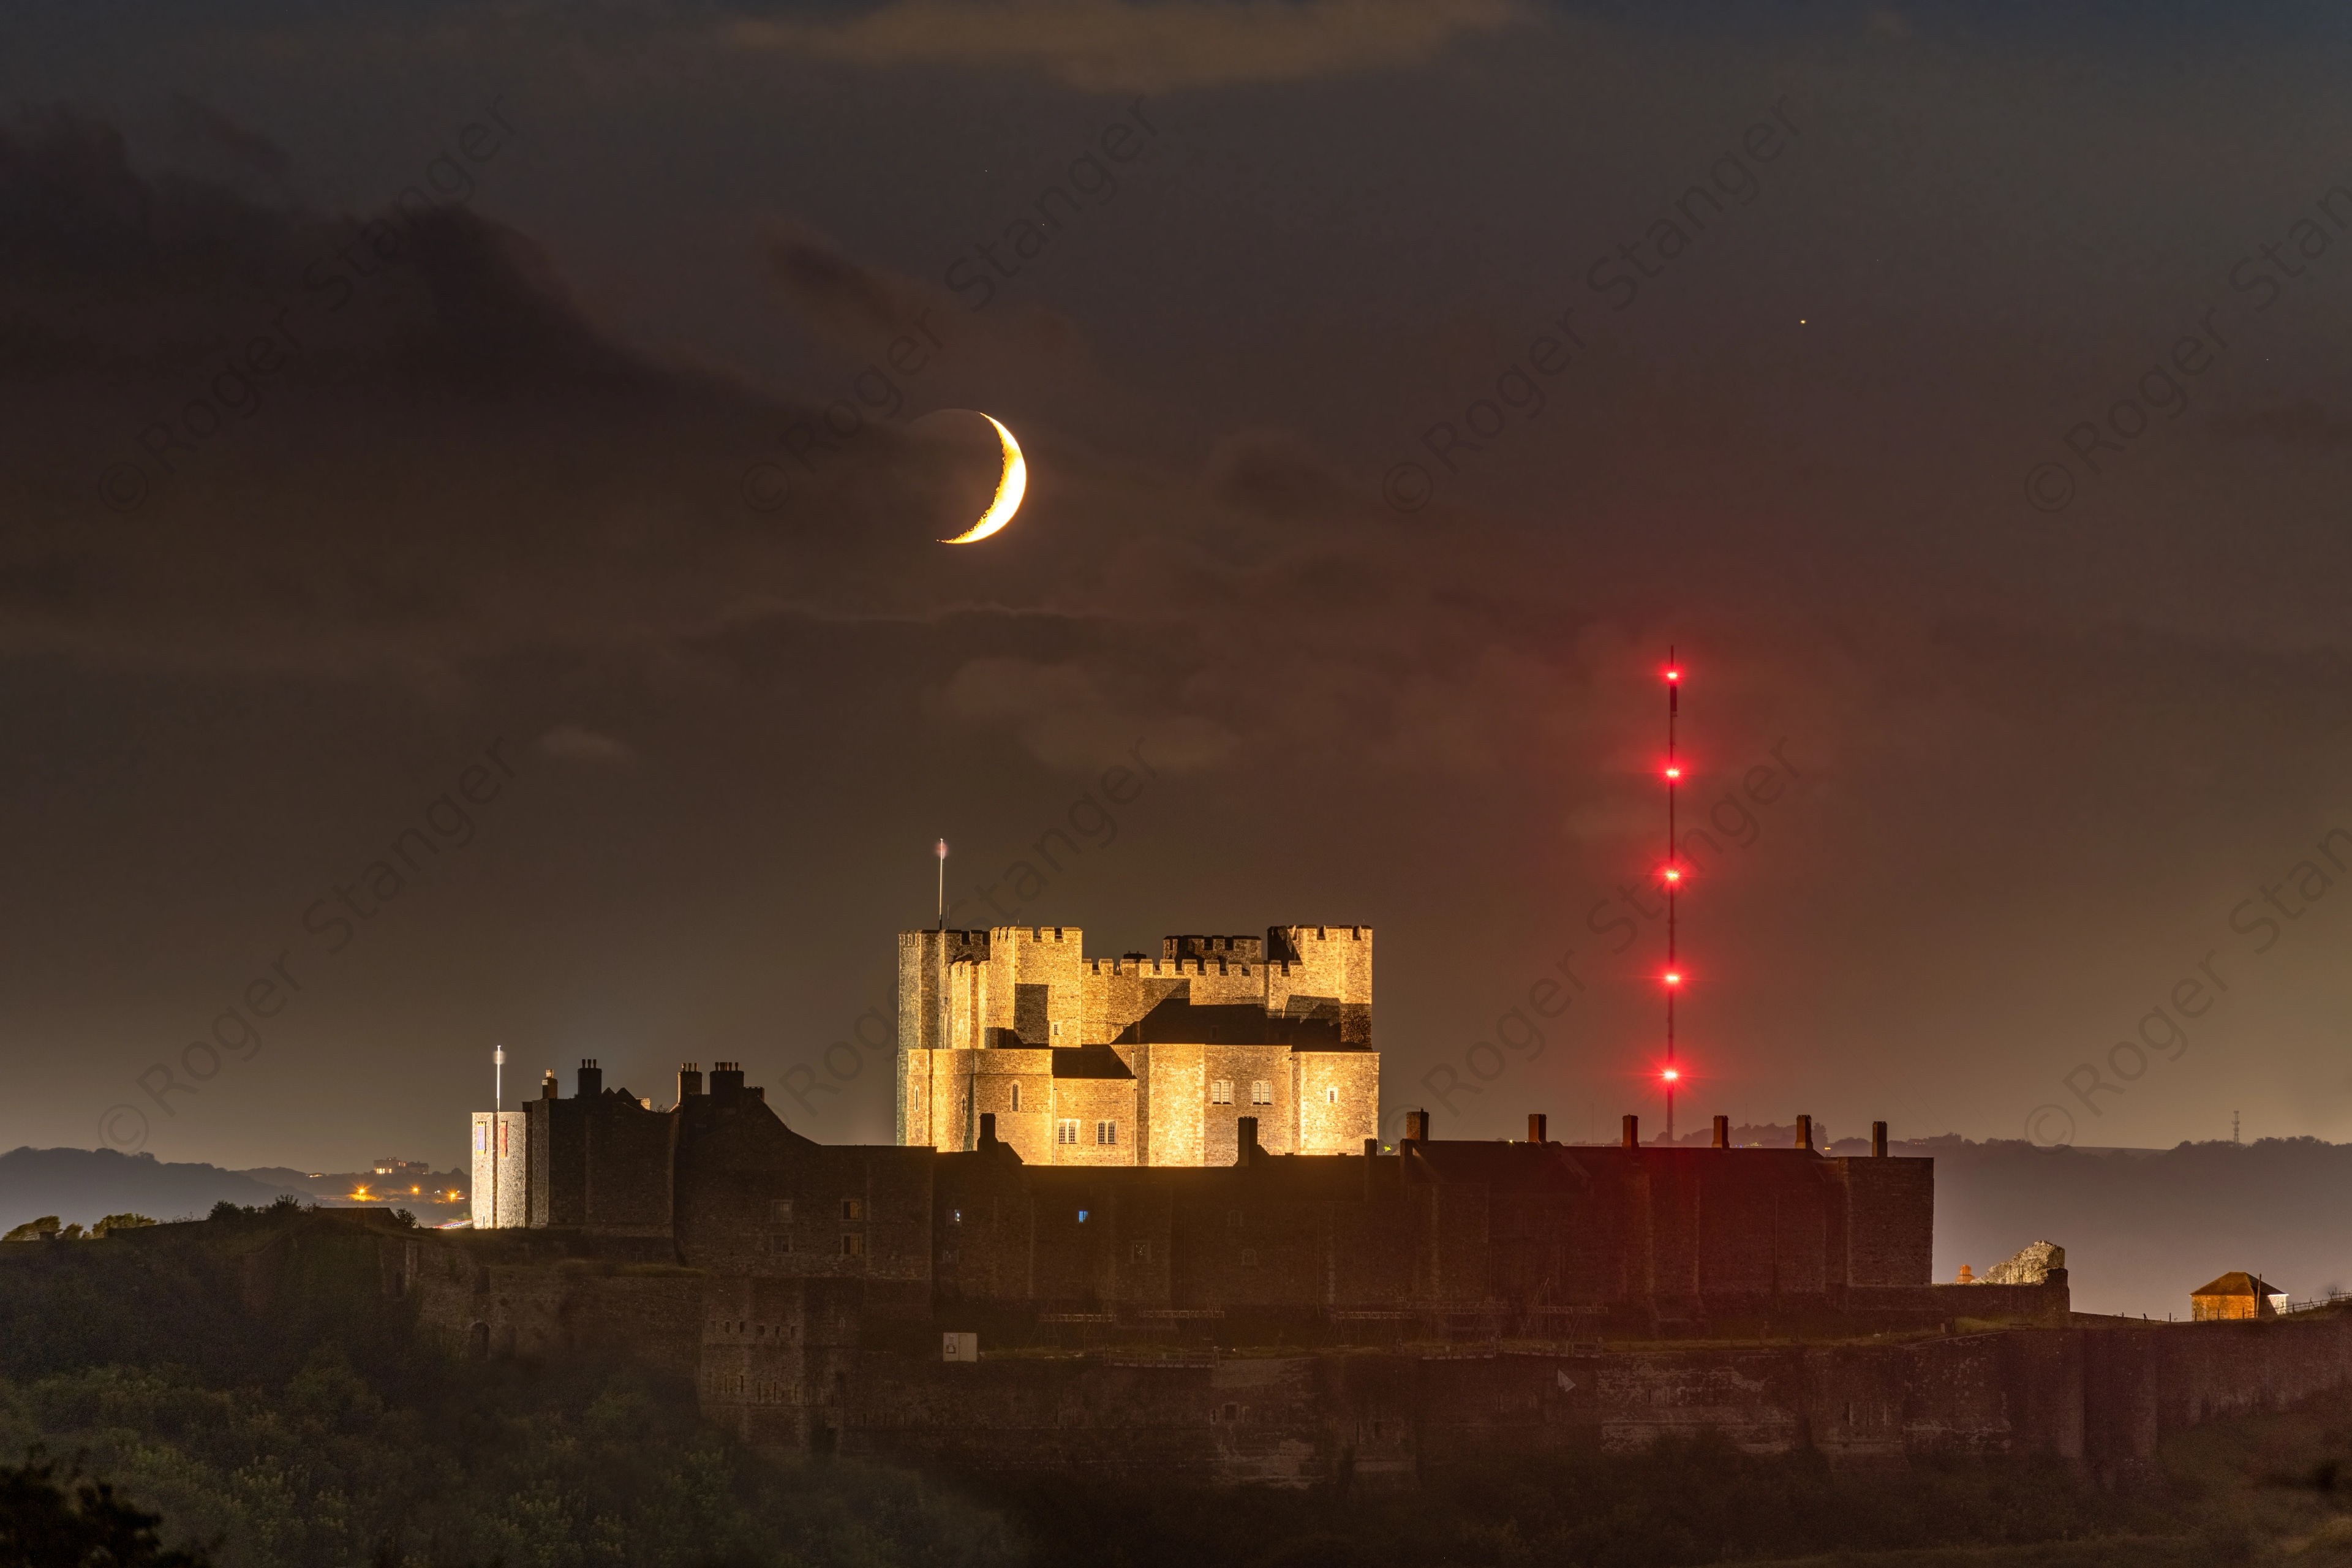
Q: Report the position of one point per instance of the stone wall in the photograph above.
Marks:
(501, 1184)
(1337, 1099)
(2102, 1397)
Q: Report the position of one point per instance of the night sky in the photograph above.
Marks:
(475, 441)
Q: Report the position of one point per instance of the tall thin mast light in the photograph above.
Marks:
(943, 884)
(1673, 880)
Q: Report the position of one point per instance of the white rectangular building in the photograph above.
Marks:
(501, 1170)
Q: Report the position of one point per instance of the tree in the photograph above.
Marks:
(45, 1525)
(39, 1229)
(115, 1222)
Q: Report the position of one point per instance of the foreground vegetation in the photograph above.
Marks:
(318, 1428)
(322, 1430)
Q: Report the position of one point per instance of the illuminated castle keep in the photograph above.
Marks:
(1136, 1060)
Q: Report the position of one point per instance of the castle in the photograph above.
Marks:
(1135, 1060)
(1174, 1164)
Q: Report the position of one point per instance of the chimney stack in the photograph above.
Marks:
(689, 1080)
(592, 1078)
(1723, 1132)
(1633, 1132)
(1536, 1123)
(1805, 1133)
(546, 1090)
(987, 1128)
(726, 1077)
(1246, 1127)
(1416, 1126)
(1878, 1140)
(1371, 1148)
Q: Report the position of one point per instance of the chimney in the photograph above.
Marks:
(1633, 1132)
(592, 1078)
(1805, 1133)
(1535, 1125)
(726, 1077)
(689, 1080)
(1246, 1127)
(1371, 1148)
(1723, 1132)
(546, 1090)
(1878, 1140)
(987, 1128)
(1416, 1126)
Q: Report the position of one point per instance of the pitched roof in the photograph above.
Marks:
(1311, 1023)
(2239, 1283)
(1089, 1061)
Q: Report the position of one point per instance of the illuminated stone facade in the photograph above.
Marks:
(501, 1170)
(1136, 1060)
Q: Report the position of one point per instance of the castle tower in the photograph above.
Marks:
(1135, 1060)
(501, 1189)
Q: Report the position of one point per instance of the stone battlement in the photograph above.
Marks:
(1029, 987)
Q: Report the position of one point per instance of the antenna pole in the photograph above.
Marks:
(1673, 880)
(943, 884)
(497, 1124)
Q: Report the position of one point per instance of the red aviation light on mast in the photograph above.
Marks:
(1671, 1074)
(1673, 977)
(1671, 874)
(1673, 675)
(1673, 772)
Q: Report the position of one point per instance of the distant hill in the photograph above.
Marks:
(82, 1185)
(2143, 1228)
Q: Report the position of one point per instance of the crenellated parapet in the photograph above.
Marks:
(1224, 1024)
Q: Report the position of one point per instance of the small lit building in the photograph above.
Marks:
(2238, 1295)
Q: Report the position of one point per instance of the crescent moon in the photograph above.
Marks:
(1010, 486)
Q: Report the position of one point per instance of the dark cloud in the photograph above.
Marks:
(246, 149)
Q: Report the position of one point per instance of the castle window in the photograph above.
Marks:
(1057, 1029)
(1016, 1097)
(779, 1244)
(1106, 1134)
(1249, 1257)
(1138, 1252)
(1221, 1092)
(780, 1211)
(853, 1208)
(853, 1244)
(1261, 1093)
(1331, 1096)
(1066, 1131)
(1233, 1219)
